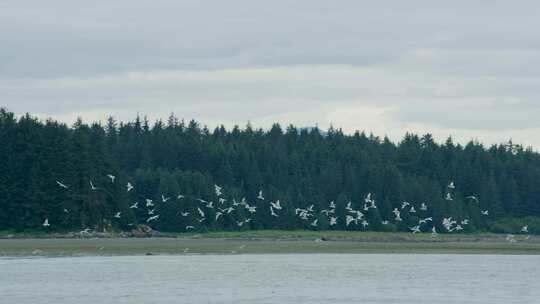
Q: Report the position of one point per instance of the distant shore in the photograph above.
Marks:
(265, 241)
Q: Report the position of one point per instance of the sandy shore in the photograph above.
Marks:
(260, 242)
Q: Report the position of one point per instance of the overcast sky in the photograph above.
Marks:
(470, 69)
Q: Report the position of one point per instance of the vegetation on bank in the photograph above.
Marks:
(175, 164)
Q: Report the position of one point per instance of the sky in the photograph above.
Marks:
(469, 69)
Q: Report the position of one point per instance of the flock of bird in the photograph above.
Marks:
(308, 214)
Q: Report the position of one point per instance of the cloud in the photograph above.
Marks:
(460, 68)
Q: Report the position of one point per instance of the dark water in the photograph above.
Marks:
(292, 278)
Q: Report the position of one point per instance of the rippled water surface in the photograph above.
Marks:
(294, 278)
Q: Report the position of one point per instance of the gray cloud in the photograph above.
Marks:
(463, 68)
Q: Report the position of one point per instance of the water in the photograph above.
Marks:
(294, 278)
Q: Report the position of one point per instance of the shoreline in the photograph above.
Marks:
(269, 242)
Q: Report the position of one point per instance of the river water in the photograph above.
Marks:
(286, 278)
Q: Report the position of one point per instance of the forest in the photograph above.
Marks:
(177, 176)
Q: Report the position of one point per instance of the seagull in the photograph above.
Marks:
(189, 228)
(164, 199)
(412, 210)
(134, 206)
(180, 196)
(222, 201)
(184, 213)
(46, 223)
(423, 207)
(200, 212)
(302, 213)
(272, 213)
(449, 197)
(451, 185)
(240, 224)
(472, 197)
(396, 212)
(315, 223)
(210, 205)
(404, 204)
(66, 211)
(276, 205)
(525, 229)
(92, 186)
(465, 222)
(152, 218)
(62, 185)
(227, 210)
(117, 215)
(349, 219)
(218, 214)
(368, 198)
(427, 219)
(415, 229)
(251, 209)
(448, 222)
(217, 189)
(359, 215)
(349, 206)
(385, 222)
(129, 187)
(365, 223)
(260, 196)
(333, 221)
(332, 205)
(485, 212)
(458, 228)
(149, 203)
(112, 177)
(151, 211)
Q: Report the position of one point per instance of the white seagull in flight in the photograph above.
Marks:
(218, 190)
(62, 185)
(112, 177)
(152, 218)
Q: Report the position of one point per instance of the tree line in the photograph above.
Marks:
(177, 164)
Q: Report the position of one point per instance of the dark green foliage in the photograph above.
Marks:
(297, 166)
